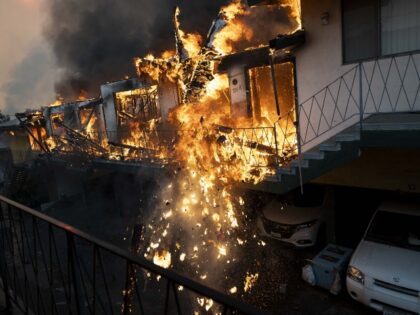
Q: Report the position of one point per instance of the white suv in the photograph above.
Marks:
(298, 219)
(384, 271)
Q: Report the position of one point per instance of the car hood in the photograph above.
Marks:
(387, 263)
(287, 214)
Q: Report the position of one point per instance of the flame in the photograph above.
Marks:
(59, 101)
(83, 95)
(250, 281)
(162, 259)
(235, 30)
(192, 41)
(295, 12)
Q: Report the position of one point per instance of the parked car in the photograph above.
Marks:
(384, 271)
(298, 219)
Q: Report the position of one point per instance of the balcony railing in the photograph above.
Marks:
(49, 267)
(389, 85)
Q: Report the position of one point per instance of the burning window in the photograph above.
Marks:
(262, 86)
(137, 105)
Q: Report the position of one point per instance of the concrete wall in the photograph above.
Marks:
(319, 60)
(318, 63)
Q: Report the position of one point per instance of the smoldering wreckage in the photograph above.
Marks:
(212, 114)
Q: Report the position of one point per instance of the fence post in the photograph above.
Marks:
(72, 263)
(276, 145)
(361, 110)
(3, 273)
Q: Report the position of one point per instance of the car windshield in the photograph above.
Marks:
(396, 229)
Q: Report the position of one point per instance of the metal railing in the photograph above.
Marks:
(388, 85)
(49, 267)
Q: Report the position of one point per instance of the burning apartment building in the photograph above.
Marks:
(238, 109)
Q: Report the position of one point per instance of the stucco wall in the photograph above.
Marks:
(388, 85)
(318, 63)
(319, 60)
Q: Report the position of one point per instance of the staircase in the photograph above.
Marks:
(377, 100)
(332, 153)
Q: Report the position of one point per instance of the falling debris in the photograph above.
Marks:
(250, 281)
(162, 259)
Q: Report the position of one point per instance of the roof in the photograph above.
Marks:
(249, 58)
(288, 41)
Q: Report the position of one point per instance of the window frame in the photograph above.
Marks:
(379, 55)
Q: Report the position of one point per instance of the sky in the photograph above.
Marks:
(27, 70)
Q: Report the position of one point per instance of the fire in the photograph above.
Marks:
(192, 42)
(250, 281)
(201, 220)
(234, 30)
(83, 96)
(295, 12)
(205, 303)
(59, 101)
(162, 259)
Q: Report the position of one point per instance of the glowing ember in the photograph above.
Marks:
(206, 303)
(162, 259)
(250, 281)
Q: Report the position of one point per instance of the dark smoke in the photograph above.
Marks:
(94, 41)
(266, 22)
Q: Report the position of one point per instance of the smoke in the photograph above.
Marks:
(266, 22)
(30, 83)
(94, 41)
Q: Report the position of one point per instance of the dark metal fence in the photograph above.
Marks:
(49, 267)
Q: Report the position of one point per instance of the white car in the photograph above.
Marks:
(297, 219)
(384, 271)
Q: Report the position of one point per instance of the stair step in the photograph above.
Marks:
(347, 137)
(286, 170)
(331, 146)
(303, 163)
(314, 155)
(273, 178)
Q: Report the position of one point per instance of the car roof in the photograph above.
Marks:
(400, 207)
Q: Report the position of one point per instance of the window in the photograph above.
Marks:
(400, 26)
(360, 31)
(262, 91)
(374, 28)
